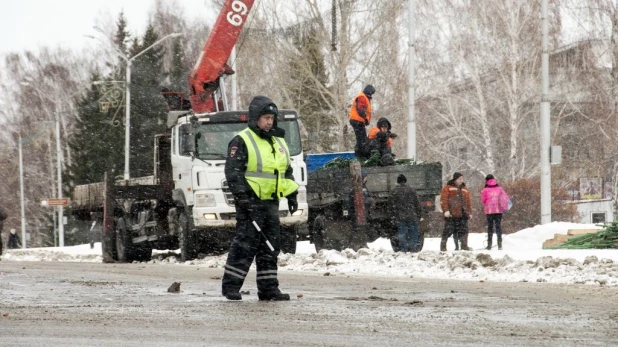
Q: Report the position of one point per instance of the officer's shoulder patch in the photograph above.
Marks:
(233, 150)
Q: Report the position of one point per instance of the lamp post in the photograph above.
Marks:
(129, 61)
(21, 191)
(59, 156)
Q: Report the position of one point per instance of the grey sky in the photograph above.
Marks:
(28, 24)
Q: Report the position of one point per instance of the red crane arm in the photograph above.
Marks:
(212, 62)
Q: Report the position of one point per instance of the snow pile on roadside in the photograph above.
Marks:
(522, 259)
(455, 265)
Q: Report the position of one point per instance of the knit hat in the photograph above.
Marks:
(456, 175)
(369, 90)
(401, 179)
(269, 109)
(489, 177)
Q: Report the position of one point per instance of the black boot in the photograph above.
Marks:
(500, 243)
(443, 245)
(233, 296)
(464, 242)
(489, 242)
(275, 296)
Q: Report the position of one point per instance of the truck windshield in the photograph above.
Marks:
(211, 139)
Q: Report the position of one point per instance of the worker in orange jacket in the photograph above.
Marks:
(457, 208)
(360, 116)
(381, 140)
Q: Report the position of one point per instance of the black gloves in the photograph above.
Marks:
(292, 204)
(366, 121)
(392, 135)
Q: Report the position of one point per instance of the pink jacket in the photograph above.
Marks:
(494, 198)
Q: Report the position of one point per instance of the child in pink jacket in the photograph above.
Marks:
(496, 202)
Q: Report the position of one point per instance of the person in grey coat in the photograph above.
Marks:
(14, 242)
(405, 210)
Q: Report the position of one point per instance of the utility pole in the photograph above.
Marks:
(59, 173)
(545, 123)
(21, 190)
(234, 81)
(411, 77)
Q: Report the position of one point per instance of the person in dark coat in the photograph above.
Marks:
(359, 117)
(405, 210)
(380, 140)
(3, 216)
(457, 208)
(13, 240)
(259, 175)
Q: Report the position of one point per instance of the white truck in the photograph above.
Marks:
(186, 203)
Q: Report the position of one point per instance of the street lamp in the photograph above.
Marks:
(21, 190)
(127, 133)
(59, 159)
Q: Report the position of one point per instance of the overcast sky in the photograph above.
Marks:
(28, 24)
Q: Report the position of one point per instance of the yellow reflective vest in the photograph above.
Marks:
(266, 170)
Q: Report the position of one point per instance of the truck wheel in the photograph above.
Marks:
(288, 239)
(186, 236)
(338, 235)
(317, 232)
(124, 243)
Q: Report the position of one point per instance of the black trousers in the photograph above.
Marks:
(360, 132)
(457, 227)
(494, 220)
(249, 244)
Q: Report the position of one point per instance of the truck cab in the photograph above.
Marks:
(199, 144)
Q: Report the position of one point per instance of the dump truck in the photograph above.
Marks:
(333, 186)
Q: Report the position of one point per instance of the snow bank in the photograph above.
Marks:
(522, 260)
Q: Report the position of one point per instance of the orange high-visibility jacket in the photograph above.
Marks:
(354, 112)
(374, 132)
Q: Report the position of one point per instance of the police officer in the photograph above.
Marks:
(259, 174)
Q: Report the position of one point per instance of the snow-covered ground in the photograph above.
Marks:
(522, 259)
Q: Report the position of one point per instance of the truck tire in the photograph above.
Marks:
(186, 235)
(338, 234)
(317, 232)
(124, 244)
(288, 239)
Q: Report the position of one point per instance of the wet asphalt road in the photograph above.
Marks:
(91, 304)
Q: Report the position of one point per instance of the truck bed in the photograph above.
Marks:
(426, 178)
(88, 196)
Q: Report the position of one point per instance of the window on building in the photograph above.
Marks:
(598, 217)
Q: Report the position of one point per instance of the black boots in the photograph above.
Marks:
(464, 242)
(233, 296)
(499, 243)
(443, 245)
(489, 242)
(275, 296)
